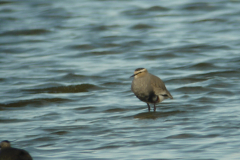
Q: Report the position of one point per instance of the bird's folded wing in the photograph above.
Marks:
(159, 87)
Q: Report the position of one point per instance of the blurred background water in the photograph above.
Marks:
(65, 86)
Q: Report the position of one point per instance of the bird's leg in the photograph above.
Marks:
(148, 107)
(154, 108)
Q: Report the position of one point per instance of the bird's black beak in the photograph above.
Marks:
(132, 75)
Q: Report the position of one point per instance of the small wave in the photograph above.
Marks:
(223, 73)
(157, 8)
(115, 110)
(7, 2)
(81, 47)
(33, 102)
(155, 115)
(201, 6)
(215, 20)
(192, 89)
(183, 136)
(142, 26)
(192, 48)
(144, 11)
(26, 32)
(64, 89)
(198, 66)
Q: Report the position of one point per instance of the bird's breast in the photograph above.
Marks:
(142, 89)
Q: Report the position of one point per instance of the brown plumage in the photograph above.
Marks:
(149, 88)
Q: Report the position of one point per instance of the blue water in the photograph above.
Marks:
(65, 86)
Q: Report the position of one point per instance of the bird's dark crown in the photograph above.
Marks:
(138, 69)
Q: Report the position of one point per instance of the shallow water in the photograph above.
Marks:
(65, 86)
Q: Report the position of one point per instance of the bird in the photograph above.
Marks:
(149, 88)
(9, 153)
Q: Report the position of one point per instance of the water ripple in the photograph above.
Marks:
(64, 89)
(28, 32)
(33, 102)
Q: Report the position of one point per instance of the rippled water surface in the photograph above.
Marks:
(65, 86)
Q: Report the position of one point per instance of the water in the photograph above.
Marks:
(65, 86)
